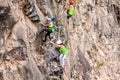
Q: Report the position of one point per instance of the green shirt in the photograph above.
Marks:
(63, 50)
(70, 12)
(51, 27)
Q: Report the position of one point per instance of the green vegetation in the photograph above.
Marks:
(101, 63)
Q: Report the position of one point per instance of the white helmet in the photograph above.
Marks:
(49, 19)
(58, 41)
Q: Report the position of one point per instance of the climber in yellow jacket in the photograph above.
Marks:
(62, 49)
(70, 9)
(50, 28)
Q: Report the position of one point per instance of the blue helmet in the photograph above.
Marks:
(49, 19)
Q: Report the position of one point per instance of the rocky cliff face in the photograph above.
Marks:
(92, 37)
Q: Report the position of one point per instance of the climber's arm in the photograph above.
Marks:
(69, 7)
(56, 45)
(47, 24)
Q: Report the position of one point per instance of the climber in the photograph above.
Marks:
(62, 49)
(70, 10)
(50, 28)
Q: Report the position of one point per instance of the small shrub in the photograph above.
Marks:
(101, 63)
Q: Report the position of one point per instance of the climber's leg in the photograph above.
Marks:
(43, 31)
(48, 34)
(59, 1)
(61, 59)
(68, 16)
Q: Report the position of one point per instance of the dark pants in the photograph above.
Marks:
(59, 1)
(68, 16)
(47, 34)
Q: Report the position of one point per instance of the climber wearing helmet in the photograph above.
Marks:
(70, 10)
(62, 49)
(50, 28)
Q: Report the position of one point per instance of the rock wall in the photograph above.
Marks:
(92, 37)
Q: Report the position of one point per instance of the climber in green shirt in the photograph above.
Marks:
(62, 49)
(50, 28)
(70, 10)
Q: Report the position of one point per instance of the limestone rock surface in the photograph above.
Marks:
(92, 36)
